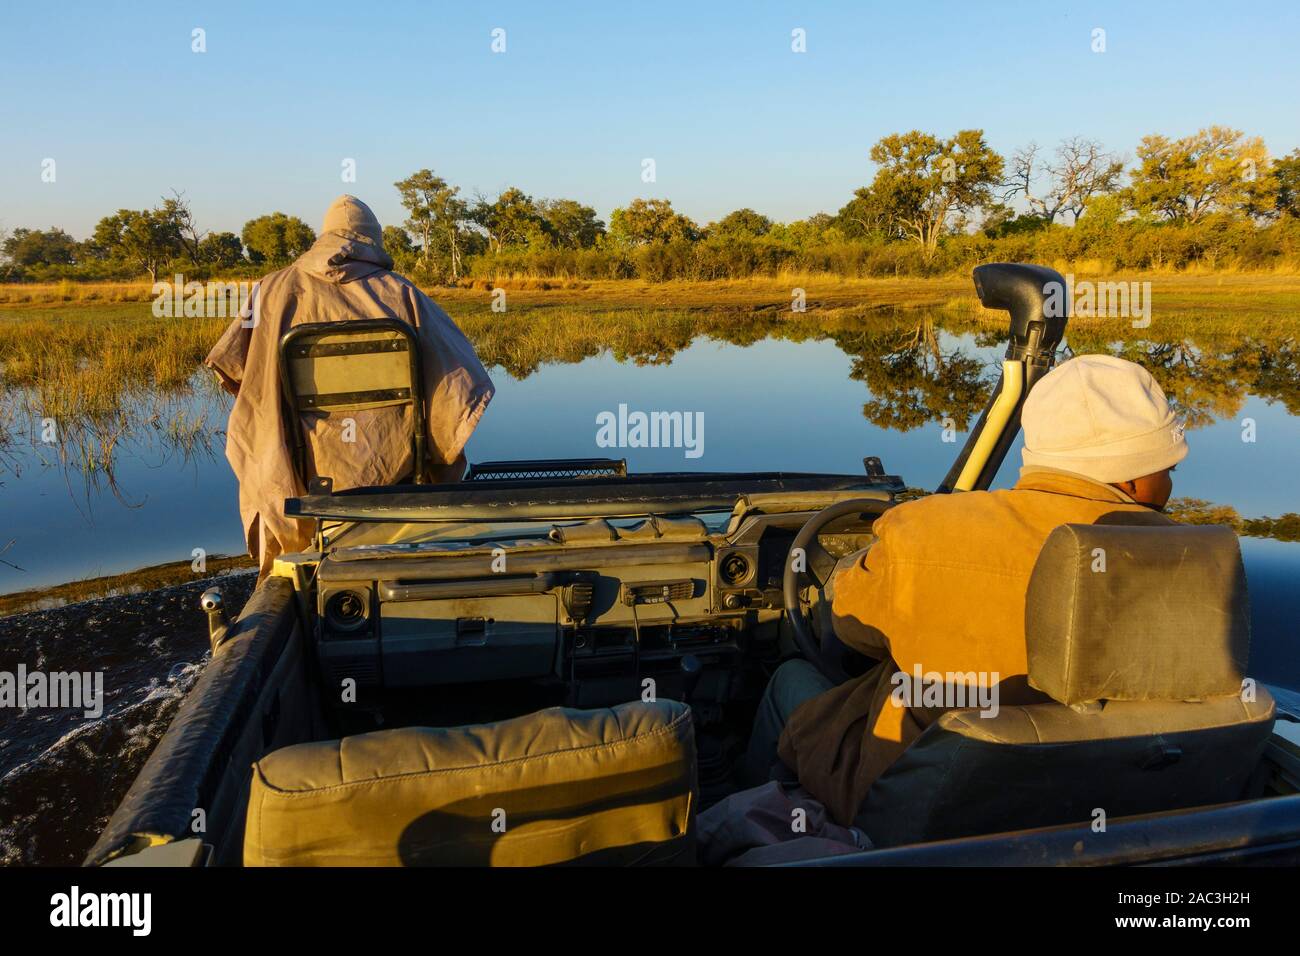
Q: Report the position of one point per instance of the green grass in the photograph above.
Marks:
(104, 369)
(100, 373)
(84, 361)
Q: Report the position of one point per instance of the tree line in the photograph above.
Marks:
(1214, 198)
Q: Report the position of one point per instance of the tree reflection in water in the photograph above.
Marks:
(913, 380)
(917, 366)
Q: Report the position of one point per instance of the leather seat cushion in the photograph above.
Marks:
(1048, 764)
(614, 786)
(1116, 612)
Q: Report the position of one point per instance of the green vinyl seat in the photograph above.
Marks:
(1140, 637)
(615, 786)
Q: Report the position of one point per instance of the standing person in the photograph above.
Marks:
(345, 275)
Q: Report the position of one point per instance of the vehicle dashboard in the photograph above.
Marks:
(606, 610)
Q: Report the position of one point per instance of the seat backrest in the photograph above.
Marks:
(614, 786)
(1140, 636)
(328, 367)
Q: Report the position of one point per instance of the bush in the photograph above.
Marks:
(1102, 238)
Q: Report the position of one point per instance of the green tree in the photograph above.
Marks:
(397, 242)
(650, 222)
(865, 216)
(36, 247)
(1216, 169)
(277, 239)
(1286, 180)
(512, 219)
(177, 208)
(743, 223)
(924, 182)
(146, 239)
(816, 228)
(221, 249)
(571, 223)
(1200, 511)
(435, 214)
(1001, 220)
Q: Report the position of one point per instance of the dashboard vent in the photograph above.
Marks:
(365, 673)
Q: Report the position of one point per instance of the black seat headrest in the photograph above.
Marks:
(1121, 612)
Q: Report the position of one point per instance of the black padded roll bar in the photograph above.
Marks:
(1038, 301)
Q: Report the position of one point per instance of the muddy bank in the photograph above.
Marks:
(63, 773)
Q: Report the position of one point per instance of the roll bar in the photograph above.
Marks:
(1038, 300)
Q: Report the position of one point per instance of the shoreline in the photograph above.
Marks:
(586, 314)
(139, 582)
(154, 580)
(754, 292)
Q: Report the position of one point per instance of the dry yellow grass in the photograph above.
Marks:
(81, 363)
(83, 354)
(1221, 285)
(56, 293)
(78, 360)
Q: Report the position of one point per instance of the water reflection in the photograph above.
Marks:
(914, 379)
(144, 480)
(178, 426)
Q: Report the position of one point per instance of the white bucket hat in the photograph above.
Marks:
(1101, 417)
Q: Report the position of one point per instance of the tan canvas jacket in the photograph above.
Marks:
(341, 277)
(943, 588)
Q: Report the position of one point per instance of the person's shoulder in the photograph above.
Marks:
(413, 292)
(292, 270)
(287, 281)
(397, 278)
(923, 527)
(940, 507)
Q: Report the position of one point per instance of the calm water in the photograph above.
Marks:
(805, 403)
(815, 405)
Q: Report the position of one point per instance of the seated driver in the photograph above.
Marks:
(942, 589)
(345, 275)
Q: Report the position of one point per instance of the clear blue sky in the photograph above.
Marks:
(711, 91)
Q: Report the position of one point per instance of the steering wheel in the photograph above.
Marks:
(809, 562)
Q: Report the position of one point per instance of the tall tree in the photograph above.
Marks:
(1216, 169)
(1082, 169)
(398, 244)
(221, 249)
(178, 207)
(276, 239)
(571, 223)
(36, 247)
(743, 223)
(513, 218)
(147, 238)
(650, 221)
(865, 215)
(435, 214)
(924, 181)
(1286, 179)
(806, 232)
(397, 241)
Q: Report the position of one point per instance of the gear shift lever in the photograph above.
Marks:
(692, 670)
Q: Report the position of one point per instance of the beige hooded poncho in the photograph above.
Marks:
(345, 275)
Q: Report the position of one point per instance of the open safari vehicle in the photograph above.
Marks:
(557, 662)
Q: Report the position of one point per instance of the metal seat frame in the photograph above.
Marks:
(293, 345)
